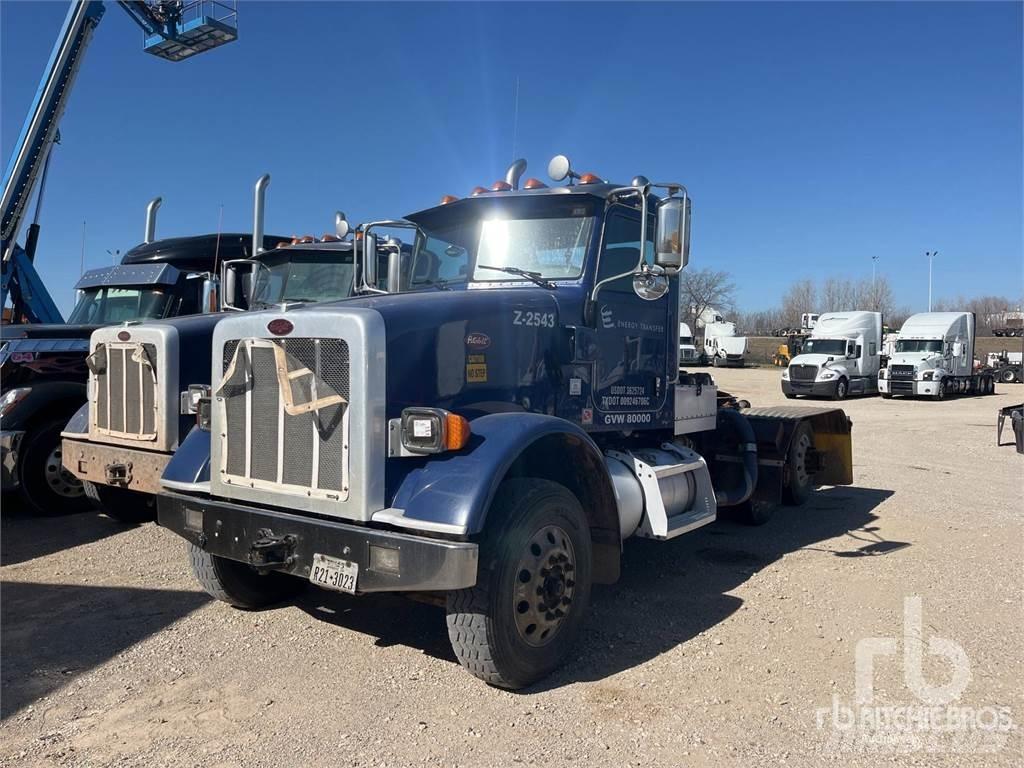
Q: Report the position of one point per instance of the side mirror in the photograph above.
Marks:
(958, 348)
(672, 237)
(211, 294)
(236, 283)
(370, 260)
(395, 271)
(559, 167)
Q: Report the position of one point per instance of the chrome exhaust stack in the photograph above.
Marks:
(151, 209)
(259, 204)
(515, 173)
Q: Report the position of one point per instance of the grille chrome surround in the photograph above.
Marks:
(133, 397)
(802, 372)
(277, 437)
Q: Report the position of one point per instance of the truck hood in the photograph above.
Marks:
(46, 331)
(820, 360)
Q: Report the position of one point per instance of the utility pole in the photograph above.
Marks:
(874, 261)
(931, 256)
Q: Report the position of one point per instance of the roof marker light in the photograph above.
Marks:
(534, 184)
(477, 191)
(329, 238)
(501, 186)
(448, 199)
(590, 178)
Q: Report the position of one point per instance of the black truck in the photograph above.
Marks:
(43, 366)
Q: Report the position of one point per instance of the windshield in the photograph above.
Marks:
(549, 242)
(686, 340)
(919, 345)
(304, 277)
(825, 347)
(112, 304)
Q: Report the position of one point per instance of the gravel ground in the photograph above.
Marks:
(718, 648)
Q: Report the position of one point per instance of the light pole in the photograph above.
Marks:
(874, 261)
(931, 255)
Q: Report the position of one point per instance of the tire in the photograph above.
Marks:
(45, 485)
(497, 630)
(129, 507)
(798, 485)
(887, 395)
(1007, 376)
(940, 393)
(716, 362)
(842, 390)
(239, 584)
(751, 512)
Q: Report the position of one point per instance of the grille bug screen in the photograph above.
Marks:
(285, 405)
(126, 390)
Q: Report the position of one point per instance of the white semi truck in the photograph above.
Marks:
(721, 344)
(841, 357)
(934, 357)
(688, 354)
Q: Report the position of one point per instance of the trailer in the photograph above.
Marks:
(934, 357)
(490, 445)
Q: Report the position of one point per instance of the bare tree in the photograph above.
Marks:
(801, 297)
(702, 289)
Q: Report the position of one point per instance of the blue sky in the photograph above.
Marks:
(812, 136)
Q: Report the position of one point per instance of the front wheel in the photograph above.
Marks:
(125, 506)
(523, 616)
(1007, 376)
(45, 485)
(940, 392)
(842, 389)
(239, 584)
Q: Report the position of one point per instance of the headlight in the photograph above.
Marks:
(785, 374)
(433, 430)
(12, 397)
(828, 375)
(881, 373)
(927, 375)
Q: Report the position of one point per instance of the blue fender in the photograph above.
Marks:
(457, 489)
(190, 464)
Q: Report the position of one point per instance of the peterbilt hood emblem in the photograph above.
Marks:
(478, 341)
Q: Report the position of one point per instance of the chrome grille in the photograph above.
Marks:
(803, 372)
(901, 371)
(126, 391)
(273, 434)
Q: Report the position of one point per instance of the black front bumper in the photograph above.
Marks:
(285, 542)
(811, 388)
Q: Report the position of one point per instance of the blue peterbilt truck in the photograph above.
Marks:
(493, 441)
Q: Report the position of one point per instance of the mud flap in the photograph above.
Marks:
(774, 429)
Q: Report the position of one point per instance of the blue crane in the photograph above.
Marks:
(173, 30)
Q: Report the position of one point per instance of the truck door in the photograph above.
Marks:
(631, 368)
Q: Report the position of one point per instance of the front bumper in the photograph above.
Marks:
(912, 387)
(248, 535)
(116, 465)
(812, 388)
(10, 442)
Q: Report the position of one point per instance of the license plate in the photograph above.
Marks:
(334, 573)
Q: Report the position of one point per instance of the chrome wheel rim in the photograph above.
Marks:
(803, 444)
(544, 585)
(58, 479)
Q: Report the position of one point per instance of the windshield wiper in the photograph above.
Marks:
(533, 277)
(440, 284)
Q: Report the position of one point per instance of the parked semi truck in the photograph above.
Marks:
(688, 354)
(934, 357)
(43, 367)
(157, 371)
(840, 357)
(722, 347)
(490, 447)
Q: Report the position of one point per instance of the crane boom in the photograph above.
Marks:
(169, 35)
